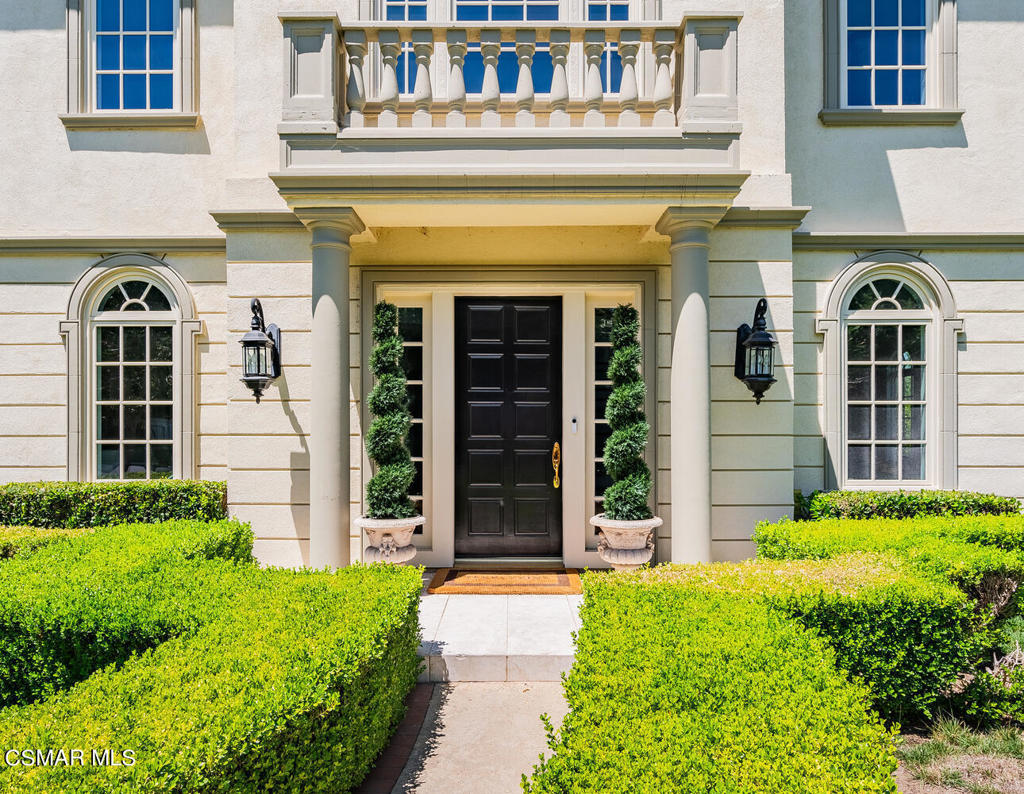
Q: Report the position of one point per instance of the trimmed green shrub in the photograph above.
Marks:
(906, 636)
(295, 684)
(73, 607)
(678, 688)
(626, 499)
(23, 540)
(908, 504)
(95, 504)
(991, 699)
(979, 554)
(387, 492)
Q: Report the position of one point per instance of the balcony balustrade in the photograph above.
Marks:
(511, 76)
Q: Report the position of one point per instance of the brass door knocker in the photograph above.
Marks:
(556, 461)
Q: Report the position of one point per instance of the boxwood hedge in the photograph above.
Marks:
(907, 504)
(23, 540)
(676, 687)
(983, 555)
(906, 636)
(95, 504)
(77, 605)
(294, 684)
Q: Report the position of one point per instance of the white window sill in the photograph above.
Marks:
(878, 117)
(130, 121)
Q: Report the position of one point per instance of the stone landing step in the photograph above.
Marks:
(497, 637)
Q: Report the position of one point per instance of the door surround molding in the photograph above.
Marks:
(441, 288)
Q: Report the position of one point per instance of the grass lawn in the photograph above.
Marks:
(956, 759)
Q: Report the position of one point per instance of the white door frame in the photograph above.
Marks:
(579, 544)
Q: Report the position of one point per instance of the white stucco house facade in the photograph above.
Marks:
(506, 171)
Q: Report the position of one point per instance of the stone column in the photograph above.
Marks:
(690, 414)
(329, 410)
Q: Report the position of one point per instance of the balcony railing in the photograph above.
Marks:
(409, 76)
(433, 64)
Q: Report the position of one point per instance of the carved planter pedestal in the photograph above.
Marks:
(390, 538)
(626, 545)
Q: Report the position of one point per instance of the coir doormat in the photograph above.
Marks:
(508, 581)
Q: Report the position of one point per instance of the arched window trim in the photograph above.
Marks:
(75, 328)
(934, 290)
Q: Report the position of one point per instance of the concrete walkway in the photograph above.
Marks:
(497, 637)
(480, 737)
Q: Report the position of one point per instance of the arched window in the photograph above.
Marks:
(890, 394)
(130, 334)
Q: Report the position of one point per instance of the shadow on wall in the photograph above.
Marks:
(836, 168)
(990, 10)
(140, 140)
(297, 462)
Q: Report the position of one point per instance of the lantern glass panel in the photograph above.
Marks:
(250, 363)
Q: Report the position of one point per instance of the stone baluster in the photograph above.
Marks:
(355, 89)
(629, 93)
(490, 95)
(664, 91)
(559, 44)
(526, 45)
(422, 95)
(456, 40)
(593, 93)
(390, 49)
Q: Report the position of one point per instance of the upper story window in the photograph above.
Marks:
(134, 54)
(886, 52)
(890, 62)
(131, 63)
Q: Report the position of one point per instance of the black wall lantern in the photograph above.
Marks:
(755, 353)
(261, 352)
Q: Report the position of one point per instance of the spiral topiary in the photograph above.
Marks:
(626, 498)
(387, 492)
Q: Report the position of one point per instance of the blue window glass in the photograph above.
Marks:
(134, 52)
(473, 71)
(913, 12)
(466, 13)
(913, 48)
(542, 13)
(108, 52)
(858, 13)
(887, 50)
(858, 87)
(887, 13)
(542, 71)
(887, 87)
(134, 14)
(161, 15)
(394, 13)
(913, 86)
(858, 48)
(161, 91)
(619, 13)
(134, 92)
(597, 13)
(507, 12)
(611, 71)
(418, 13)
(405, 68)
(108, 91)
(161, 52)
(108, 15)
(508, 71)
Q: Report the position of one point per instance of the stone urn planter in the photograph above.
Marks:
(626, 545)
(390, 538)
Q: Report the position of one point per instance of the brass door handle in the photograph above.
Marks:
(556, 461)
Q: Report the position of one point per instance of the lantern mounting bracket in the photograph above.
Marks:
(759, 341)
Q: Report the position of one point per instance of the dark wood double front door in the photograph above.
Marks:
(508, 416)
